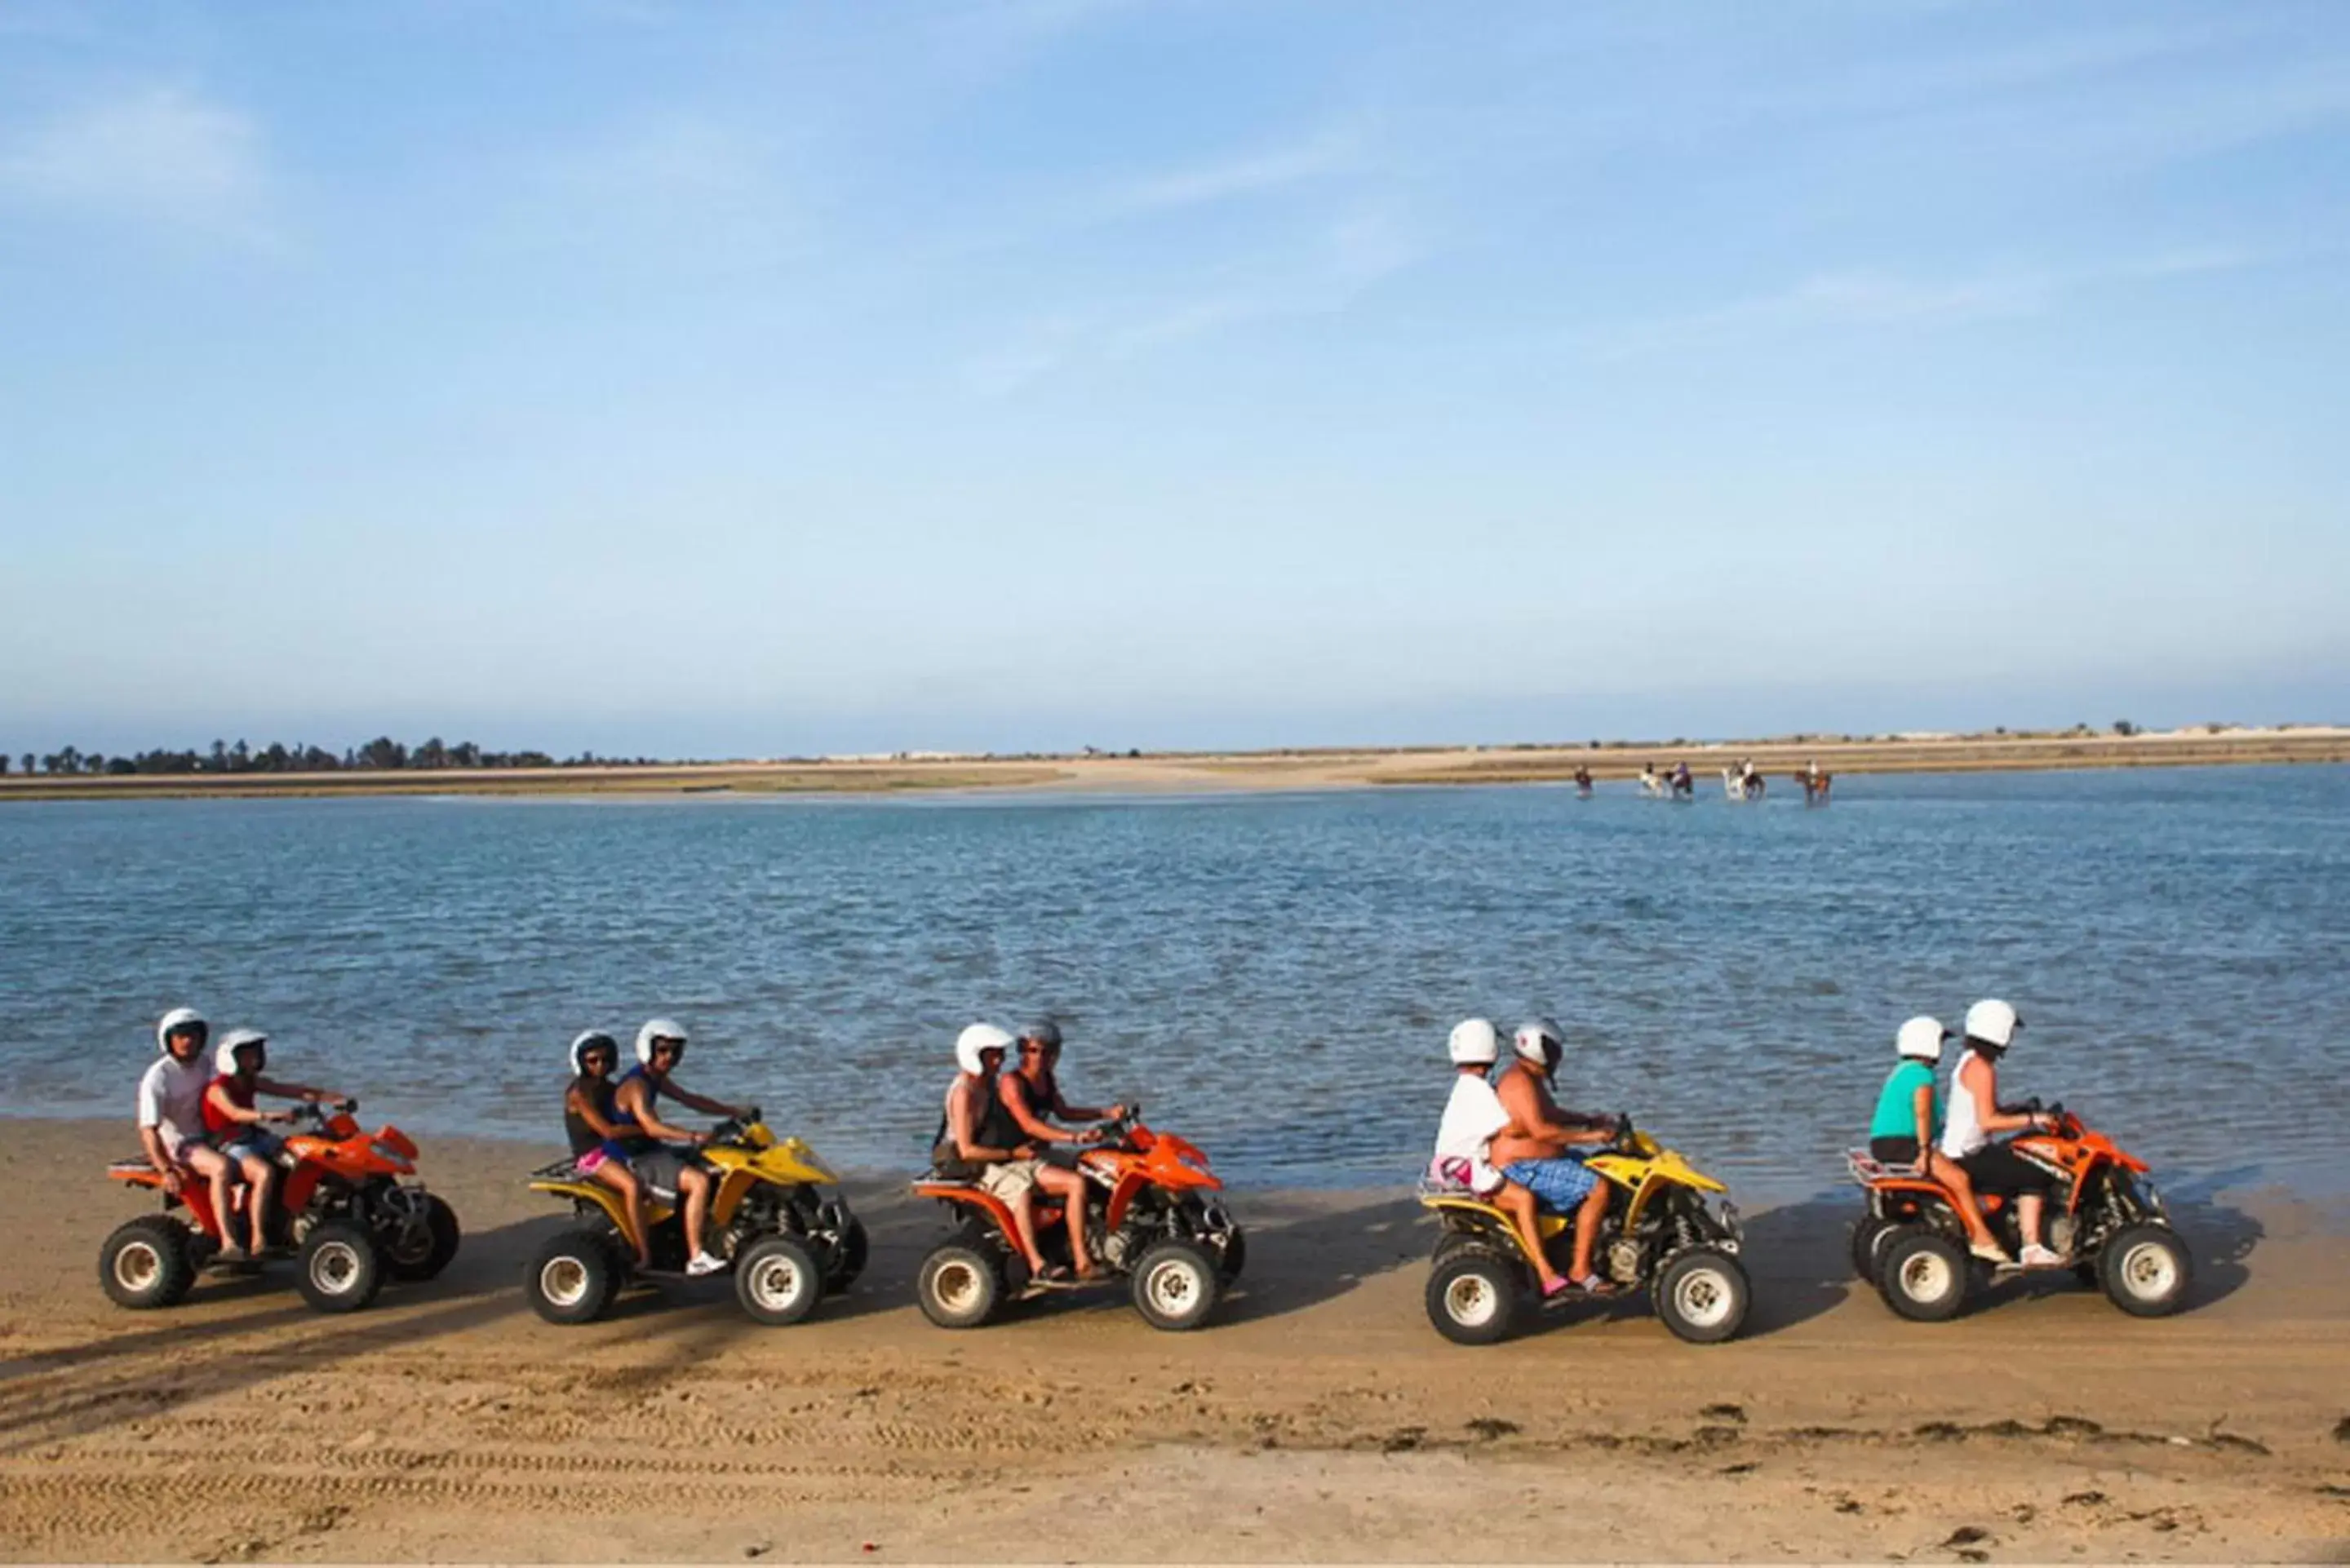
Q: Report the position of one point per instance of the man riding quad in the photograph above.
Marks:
(1533, 1151)
(171, 1108)
(1032, 1092)
(237, 1127)
(981, 1140)
(1473, 1116)
(665, 1170)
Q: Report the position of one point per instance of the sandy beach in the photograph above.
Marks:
(1208, 773)
(1319, 1417)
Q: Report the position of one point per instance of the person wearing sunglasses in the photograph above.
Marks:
(668, 1171)
(1032, 1094)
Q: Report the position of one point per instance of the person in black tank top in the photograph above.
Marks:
(979, 1140)
(597, 1131)
(1031, 1093)
(662, 1166)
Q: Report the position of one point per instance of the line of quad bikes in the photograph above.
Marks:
(353, 1219)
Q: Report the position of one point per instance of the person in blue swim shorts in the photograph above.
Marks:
(1534, 1151)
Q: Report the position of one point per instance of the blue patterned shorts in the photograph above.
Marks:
(1560, 1184)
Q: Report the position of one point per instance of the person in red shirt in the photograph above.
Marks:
(237, 1126)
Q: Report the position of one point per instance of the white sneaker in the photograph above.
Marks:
(704, 1263)
(2039, 1258)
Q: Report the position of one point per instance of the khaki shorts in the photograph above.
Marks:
(1010, 1180)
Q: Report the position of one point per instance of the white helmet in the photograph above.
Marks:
(975, 1040)
(1993, 1023)
(178, 1018)
(657, 1029)
(1541, 1042)
(1475, 1044)
(235, 1040)
(1921, 1038)
(586, 1038)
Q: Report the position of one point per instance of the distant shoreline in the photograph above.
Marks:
(1204, 773)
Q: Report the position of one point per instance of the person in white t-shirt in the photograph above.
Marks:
(172, 1109)
(1464, 1141)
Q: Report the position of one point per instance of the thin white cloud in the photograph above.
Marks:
(1272, 169)
(162, 155)
(1866, 300)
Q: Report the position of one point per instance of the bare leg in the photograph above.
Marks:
(1024, 1228)
(222, 1215)
(623, 1180)
(213, 1166)
(694, 1186)
(1070, 1188)
(261, 1185)
(1953, 1178)
(2028, 1206)
(1587, 1229)
(1526, 1216)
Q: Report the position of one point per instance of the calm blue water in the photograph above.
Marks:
(1273, 975)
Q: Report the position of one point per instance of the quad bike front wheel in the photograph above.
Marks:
(1175, 1285)
(146, 1264)
(1473, 1293)
(573, 1277)
(420, 1252)
(2144, 1271)
(339, 1268)
(1925, 1275)
(959, 1285)
(777, 1280)
(1702, 1296)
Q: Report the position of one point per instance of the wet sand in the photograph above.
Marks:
(1208, 773)
(1317, 1417)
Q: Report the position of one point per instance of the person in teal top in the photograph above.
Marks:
(1908, 1121)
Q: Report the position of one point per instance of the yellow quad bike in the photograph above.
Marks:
(788, 1240)
(1660, 1233)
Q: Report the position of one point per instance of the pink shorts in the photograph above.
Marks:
(588, 1164)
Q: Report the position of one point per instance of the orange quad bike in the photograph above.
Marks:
(1154, 1219)
(2100, 1215)
(342, 1210)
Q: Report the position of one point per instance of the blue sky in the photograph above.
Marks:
(746, 379)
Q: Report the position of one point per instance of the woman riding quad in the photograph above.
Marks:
(236, 1127)
(1975, 1114)
(599, 1132)
(1910, 1119)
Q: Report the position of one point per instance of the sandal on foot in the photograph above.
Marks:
(1557, 1288)
(1991, 1253)
(1591, 1285)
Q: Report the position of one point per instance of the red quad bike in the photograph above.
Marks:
(1153, 1217)
(341, 1206)
(2112, 1226)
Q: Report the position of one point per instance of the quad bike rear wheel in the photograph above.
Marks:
(1925, 1276)
(847, 1258)
(339, 1268)
(1175, 1285)
(422, 1252)
(1475, 1294)
(1869, 1234)
(573, 1276)
(777, 1280)
(2144, 1270)
(960, 1284)
(1233, 1257)
(146, 1264)
(1702, 1296)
